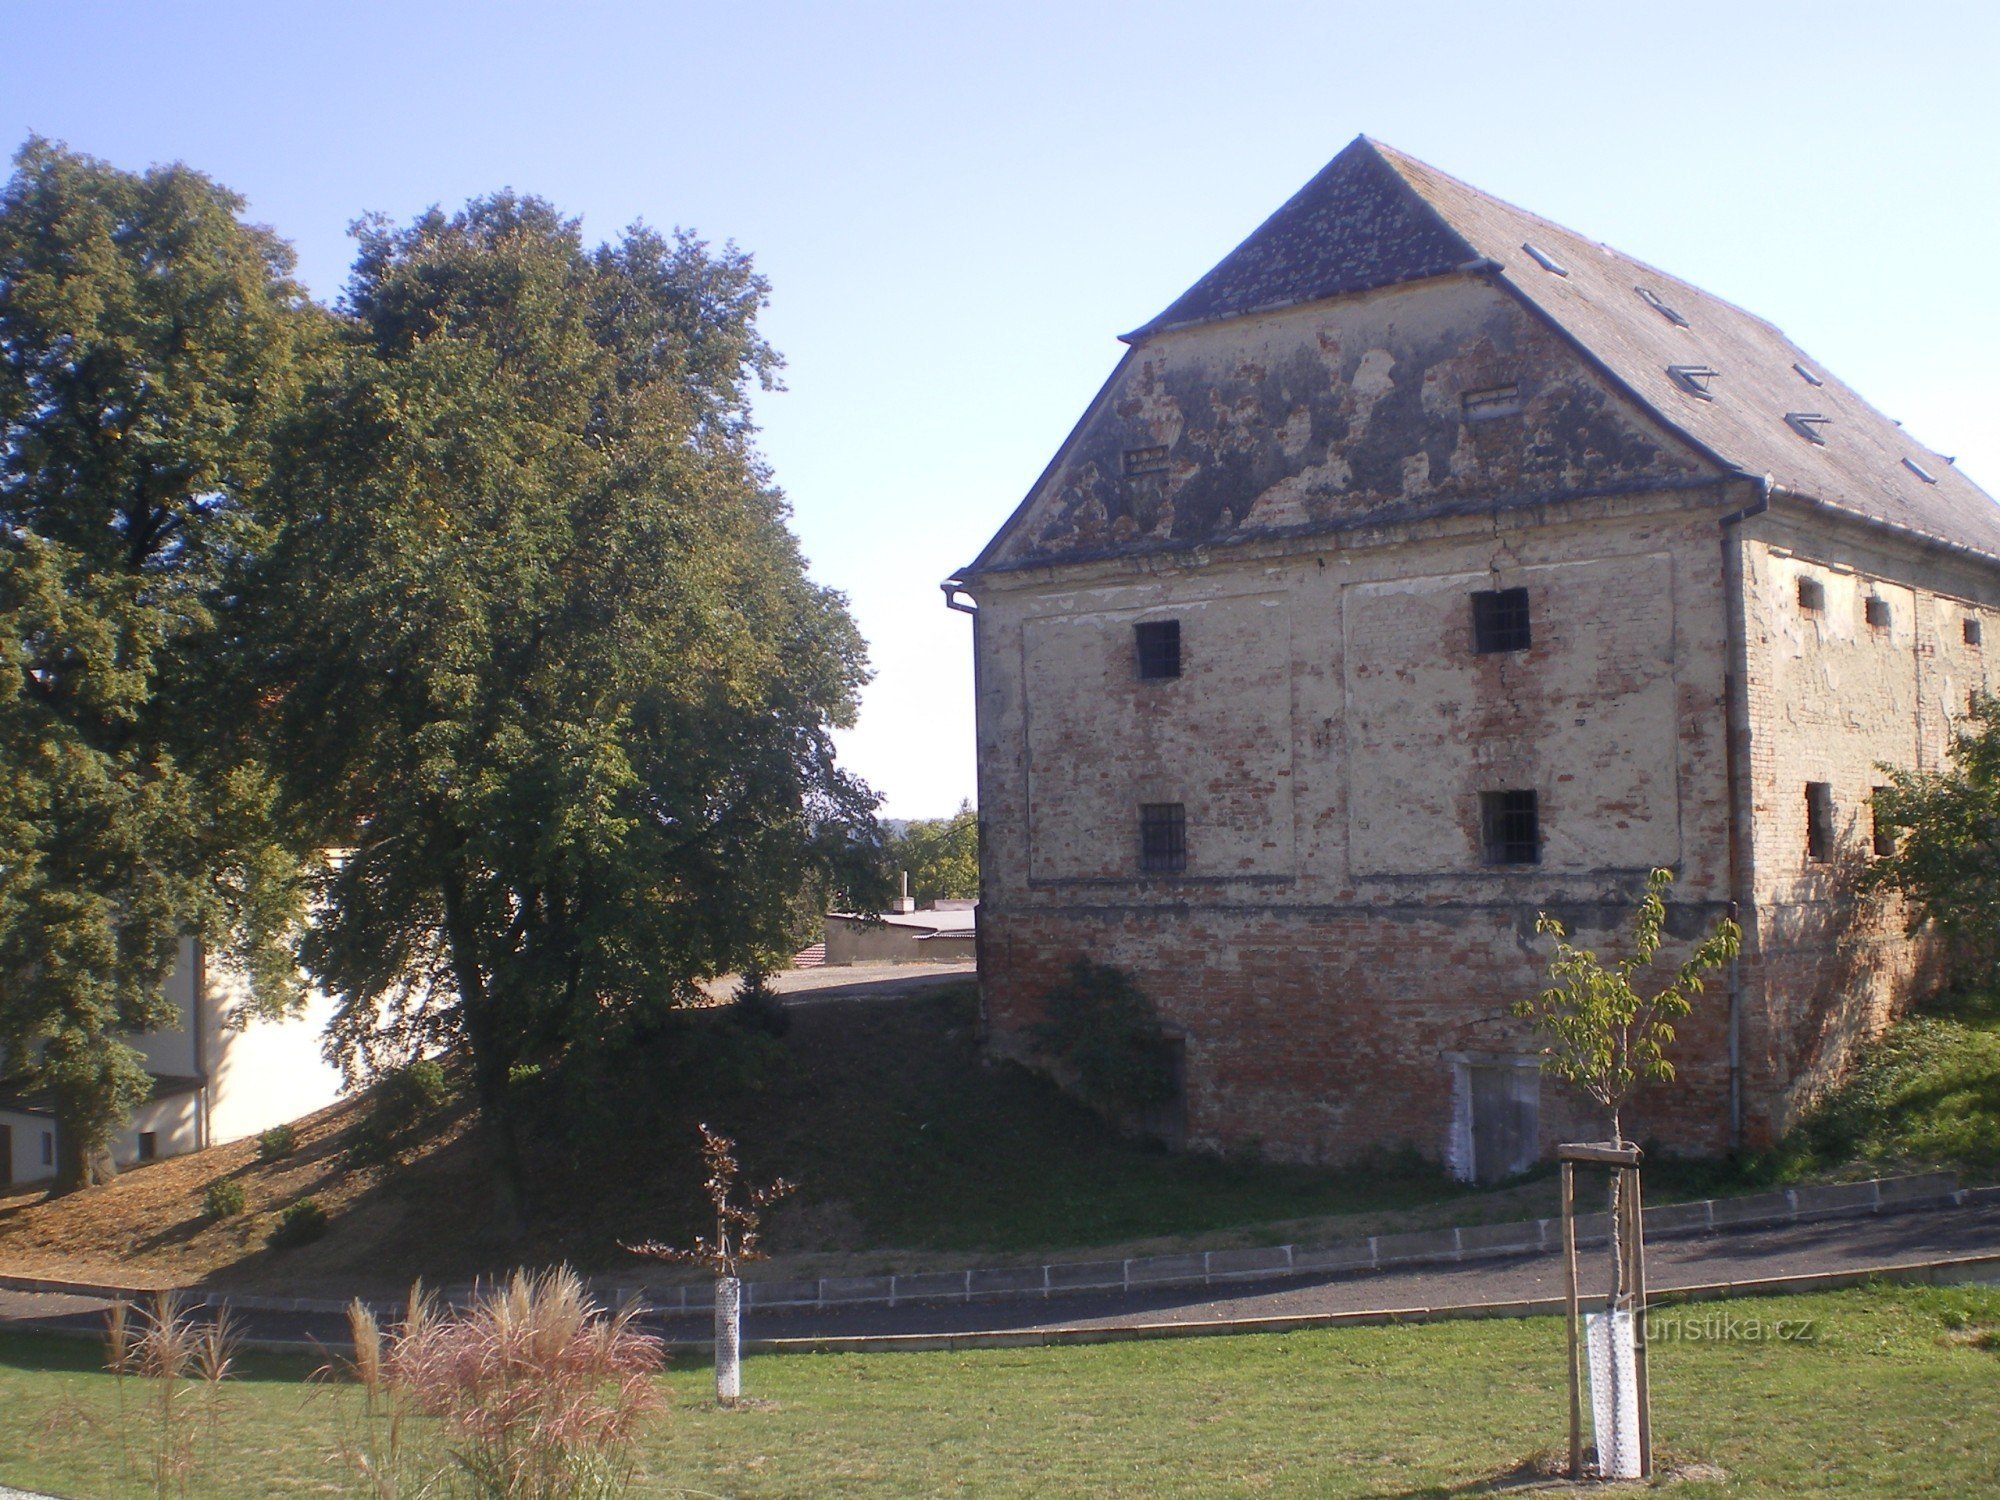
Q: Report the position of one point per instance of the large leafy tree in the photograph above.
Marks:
(558, 685)
(940, 855)
(150, 344)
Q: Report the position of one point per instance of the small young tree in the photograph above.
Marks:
(1601, 1034)
(738, 1225)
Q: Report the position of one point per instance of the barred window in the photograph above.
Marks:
(1159, 643)
(1162, 837)
(1500, 620)
(1819, 821)
(1511, 827)
(1885, 833)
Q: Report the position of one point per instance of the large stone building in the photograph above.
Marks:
(1424, 566)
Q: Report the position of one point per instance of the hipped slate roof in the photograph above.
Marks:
(1374, 217)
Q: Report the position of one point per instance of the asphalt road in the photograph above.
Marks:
(1845, 1245)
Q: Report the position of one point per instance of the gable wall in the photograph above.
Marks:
(1341, 412)
(1336, 940)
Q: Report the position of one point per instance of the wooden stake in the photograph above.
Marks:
(1569, 1296)
(1638, 1236)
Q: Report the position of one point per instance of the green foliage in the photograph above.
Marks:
(1103, 1031)
(1601, 1034)
(1947, 832)
(940, 855)
(276, 1143)
(150, 347)
(757, 1007)
(402, 1106)
(299, 1224)
(548, 654)
(1926, 1094)
(224, 1198)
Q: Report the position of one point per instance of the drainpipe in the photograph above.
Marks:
(1736, 733)
(953, 587)
(197, 1026)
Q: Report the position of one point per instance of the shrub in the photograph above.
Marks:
(1101, 1028)
(276, 1143)
(539, 1389)
(300, 1224)
(403, 1101)
(757, 1006)
(224, 1199)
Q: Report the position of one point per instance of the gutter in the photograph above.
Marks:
(1736, 731)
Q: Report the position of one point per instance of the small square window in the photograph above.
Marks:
(1819, 821)
(1140, 461)
(1510, 827)
(1971, 629)
(149, 1145)
(1885, 834)
(1494, 401)
(1812, 595)
(1159, 643)
(1876, 610)
(1500, 621)
(1162, 837)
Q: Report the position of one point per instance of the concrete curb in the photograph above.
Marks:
(1947, 1271)
(1205, 1268)
(1951, 1271)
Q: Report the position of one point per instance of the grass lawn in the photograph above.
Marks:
(1897, 1395)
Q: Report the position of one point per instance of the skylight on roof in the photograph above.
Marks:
(1693, 379)
(1545, 260)
(1920, 471)
(1807, 424)
(1653, 300)
(1807, 375)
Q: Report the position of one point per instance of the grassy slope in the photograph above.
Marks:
(910, 1151)
(1895, 1398)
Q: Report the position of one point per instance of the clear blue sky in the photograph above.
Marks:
(960, 208)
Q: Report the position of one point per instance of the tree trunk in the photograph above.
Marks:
(78, 1163)
(492, 1062)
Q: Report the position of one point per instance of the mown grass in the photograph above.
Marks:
(1895, 1396)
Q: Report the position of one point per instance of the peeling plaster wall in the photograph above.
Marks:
(1314, 502)
(1349, 410)
(1832, 698)
(1336, 935)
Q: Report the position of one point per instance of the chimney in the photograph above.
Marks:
(903, 903)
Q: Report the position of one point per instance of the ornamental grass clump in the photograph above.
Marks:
(540, 1391)
(183, 1360)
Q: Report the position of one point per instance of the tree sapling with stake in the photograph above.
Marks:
(737, 1228)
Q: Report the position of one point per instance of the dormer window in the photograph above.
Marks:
(1693, 379)
(1659, 305)
(1545, 260)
